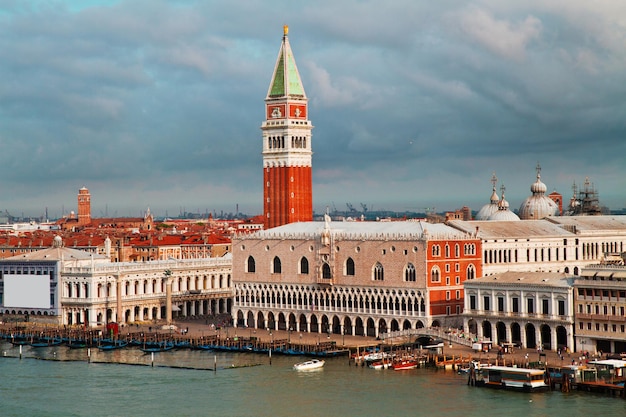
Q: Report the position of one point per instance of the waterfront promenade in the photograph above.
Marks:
(215, 329)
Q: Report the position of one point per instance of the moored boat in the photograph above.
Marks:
(505, 377)
(46, 342)
(119, 344)
(404, 364)
(309, 365)
(157, 347)
(382, 364)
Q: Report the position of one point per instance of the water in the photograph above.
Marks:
(31, 387)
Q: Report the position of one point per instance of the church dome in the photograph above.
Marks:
(488, 209)
(503, 213)
(538, 205)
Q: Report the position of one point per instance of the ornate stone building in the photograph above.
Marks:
(530, 309)
(356, 278)
(70, 286)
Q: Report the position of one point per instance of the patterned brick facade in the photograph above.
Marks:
(357, 278)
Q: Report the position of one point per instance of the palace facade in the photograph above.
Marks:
(355, 278)
(69, 286)
(529, 309)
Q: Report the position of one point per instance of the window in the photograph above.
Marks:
(436, 250)
(349, 267)
(447, 295)
(500, 304)
(304, 265)
(458, 294)
(471, 272)
(486, 303)
(530, 306)
(379, 272)
(545, 306)
(326, 274)
(277, 267)
(457, 251)
(472, 302)
(435, 275)
(515, 304)
(250, 265)
(409, 273)
(447, 267)
(561, 307)
(447, 251)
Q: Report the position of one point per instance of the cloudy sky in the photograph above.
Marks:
(153, 103)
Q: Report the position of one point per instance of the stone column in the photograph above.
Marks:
(168, 295)
(118, 295)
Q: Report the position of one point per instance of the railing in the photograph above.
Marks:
(128, 267)
(445, 335)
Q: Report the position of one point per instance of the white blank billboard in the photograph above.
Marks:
(26, 291)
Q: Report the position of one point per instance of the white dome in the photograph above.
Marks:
(503, 213)
(538, 206)
(488, 209)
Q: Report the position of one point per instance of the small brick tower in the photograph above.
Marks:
(84, 207)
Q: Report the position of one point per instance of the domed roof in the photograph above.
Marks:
(538, 206)
(488, 209)
(503, 213)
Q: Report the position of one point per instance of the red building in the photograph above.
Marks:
(287, 182)
(450, 262)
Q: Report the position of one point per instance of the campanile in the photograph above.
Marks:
(287, 155)
(84, 206)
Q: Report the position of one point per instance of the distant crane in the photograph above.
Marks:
(364, 206)
(350, 208)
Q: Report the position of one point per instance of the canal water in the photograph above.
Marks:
(58, 381)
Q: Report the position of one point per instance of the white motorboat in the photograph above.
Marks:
(309, 365)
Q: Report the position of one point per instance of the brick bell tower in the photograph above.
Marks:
(287, 155)
(84, 206)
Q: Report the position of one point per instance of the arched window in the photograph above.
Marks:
(471, 272)
(350, 267)
(435, 275)
(379, 272)
(409, 273)
(457, 251)
(251, 265)
(326, 271)
(304, 265)
(277, 268)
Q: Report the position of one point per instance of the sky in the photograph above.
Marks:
(158, 104)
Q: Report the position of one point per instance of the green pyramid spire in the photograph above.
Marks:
(286, 80)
